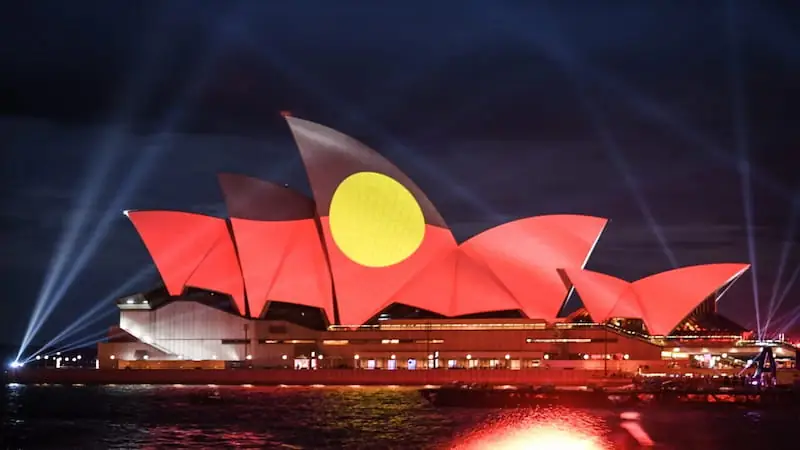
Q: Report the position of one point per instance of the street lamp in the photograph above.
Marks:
(605, 350)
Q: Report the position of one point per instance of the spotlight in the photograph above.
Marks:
(16, 365)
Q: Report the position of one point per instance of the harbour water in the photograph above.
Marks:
(349, 417)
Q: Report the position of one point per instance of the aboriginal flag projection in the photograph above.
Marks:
(278, 243)
(370, 238)
(662, 300)
(379, 228)
(191, 250)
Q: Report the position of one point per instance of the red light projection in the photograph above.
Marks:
(668, 297)
(662, 300)
(283, 261)
(454, 285)
(219, 272)
(379, 227)
(512, 266)
(604, 296)
(191, 250)
(524, 255)
(279, 246)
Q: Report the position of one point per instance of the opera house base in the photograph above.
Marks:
(328, 377)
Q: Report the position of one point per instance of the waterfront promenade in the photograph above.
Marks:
(329, 377)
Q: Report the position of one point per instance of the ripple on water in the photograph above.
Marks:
(332, 418)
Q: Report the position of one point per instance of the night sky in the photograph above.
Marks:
(642, 112)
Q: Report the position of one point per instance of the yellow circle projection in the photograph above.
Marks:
(375, 221)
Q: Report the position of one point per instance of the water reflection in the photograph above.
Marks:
(338, 418)
(541, 429)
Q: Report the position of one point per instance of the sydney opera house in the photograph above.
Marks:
(365, 273)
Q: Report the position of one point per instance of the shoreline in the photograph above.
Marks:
(328, 377)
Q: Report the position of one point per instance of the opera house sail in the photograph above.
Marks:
(369, 238)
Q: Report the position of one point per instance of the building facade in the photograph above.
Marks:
(183, 332)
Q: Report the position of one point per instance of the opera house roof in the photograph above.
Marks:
(370, 238)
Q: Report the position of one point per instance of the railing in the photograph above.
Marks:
(441, 326)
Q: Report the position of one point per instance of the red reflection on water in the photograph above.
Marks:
(552, 429)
